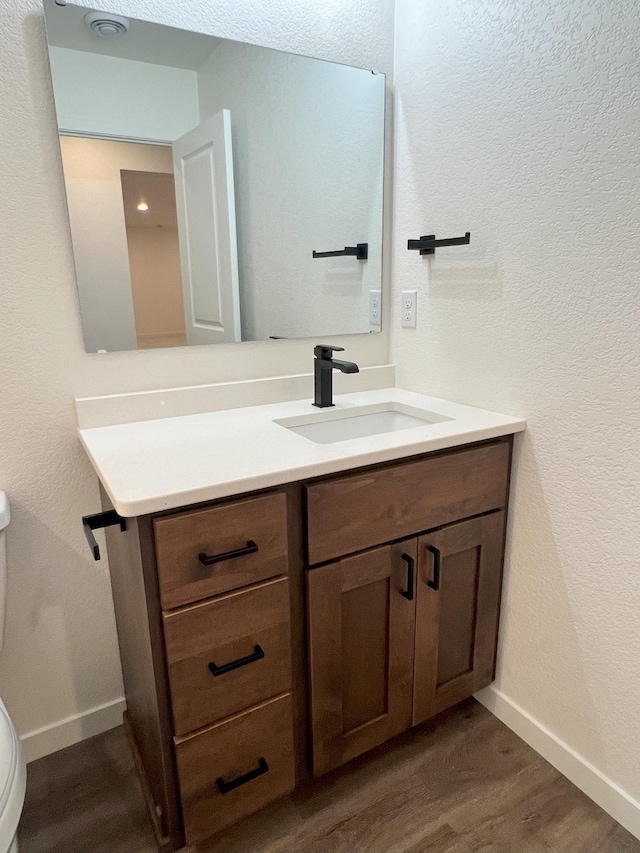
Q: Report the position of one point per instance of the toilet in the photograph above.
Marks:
(13, 770)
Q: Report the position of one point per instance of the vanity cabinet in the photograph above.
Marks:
(203, 610)
(400, 632)
(270, 637)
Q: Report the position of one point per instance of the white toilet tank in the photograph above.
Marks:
(13, 772)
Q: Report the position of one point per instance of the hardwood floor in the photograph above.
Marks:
(462, 783)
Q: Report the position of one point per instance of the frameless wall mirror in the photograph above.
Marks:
(217, 191)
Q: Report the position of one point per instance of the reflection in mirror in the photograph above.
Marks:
(203, 174)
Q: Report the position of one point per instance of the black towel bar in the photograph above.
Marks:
(427, 245)
(360, 251)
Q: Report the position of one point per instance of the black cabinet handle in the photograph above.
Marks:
(256, 654)
(435, 583)
(249, 548)
(225, 787)
(410, 572)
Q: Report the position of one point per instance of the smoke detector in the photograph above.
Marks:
(106, 25)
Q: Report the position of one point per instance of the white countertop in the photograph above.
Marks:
(154, 465)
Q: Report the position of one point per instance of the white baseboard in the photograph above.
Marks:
(602, 790)
(51, 738)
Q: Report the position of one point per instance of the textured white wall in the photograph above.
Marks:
(120, 97)
(518, 121)
(308, 151)
(61, 654)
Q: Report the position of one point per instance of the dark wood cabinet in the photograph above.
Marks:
(399, 633)
(361, 618)
(319, 619)
(205, 627)
(355, 511)
(457, 609)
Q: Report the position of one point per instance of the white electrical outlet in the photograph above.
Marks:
(375, 307)
(409, 306)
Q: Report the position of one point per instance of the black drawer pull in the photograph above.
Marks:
(250, 548)
(410, 565)
(225, 787)
(256, 654)
(435, 583)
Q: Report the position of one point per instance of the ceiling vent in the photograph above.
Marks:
(106, 25)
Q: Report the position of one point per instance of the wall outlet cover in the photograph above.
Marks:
(409, 308)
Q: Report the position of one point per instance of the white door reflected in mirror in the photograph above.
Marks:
(203, 167)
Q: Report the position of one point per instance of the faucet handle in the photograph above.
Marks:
(325, 350)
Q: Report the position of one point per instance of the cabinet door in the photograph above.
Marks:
(361, 639)
(457, 608)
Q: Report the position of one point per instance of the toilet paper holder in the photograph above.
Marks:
(96, 522)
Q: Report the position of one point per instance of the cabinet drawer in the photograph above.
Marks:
(355, 512)
(228, 654)
(257, 527)
(249, 756)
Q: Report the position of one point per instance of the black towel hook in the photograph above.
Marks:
(428, 245)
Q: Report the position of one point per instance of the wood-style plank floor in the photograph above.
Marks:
(462, 783)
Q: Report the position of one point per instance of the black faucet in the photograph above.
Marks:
(323, 367)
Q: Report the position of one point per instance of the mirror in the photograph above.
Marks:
(210, 184)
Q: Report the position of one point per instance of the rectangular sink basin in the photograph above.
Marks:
(359, 422)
